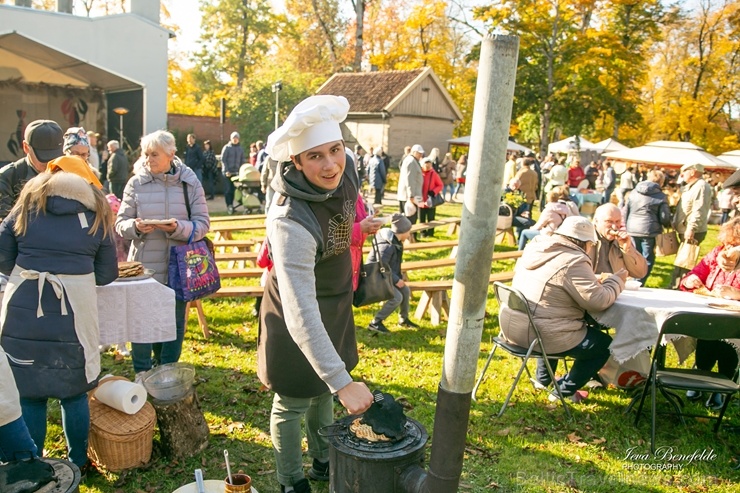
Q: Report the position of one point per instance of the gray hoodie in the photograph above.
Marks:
(296, 244)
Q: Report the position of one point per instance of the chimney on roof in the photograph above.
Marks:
(149, 9)
(64, 6)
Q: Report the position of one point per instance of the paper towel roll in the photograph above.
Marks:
(127, 397)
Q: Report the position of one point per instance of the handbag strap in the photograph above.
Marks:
(192, 233)
(377, 254)
(187, 207)
(376, 249)
(187, 198)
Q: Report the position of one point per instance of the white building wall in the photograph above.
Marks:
(124, 44)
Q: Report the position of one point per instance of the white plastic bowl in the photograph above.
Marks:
(169, 382)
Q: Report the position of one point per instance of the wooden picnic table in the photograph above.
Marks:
(421, 245)
(434, 298)
(241, 217)
(452, 222)
(448, 262)
(224, 231)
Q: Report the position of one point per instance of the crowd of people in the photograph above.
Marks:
(571, 265)
(48, 327)
(318, 222)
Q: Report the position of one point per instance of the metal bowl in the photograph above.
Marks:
(169, 382)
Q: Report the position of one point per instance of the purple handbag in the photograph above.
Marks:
(192, 270)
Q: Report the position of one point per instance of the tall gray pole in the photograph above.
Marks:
(494, 96)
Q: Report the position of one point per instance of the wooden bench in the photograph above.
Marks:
(201, 316)
(248, 272)
(236, 247)
(421, 245)
(435, 300)
(452, 222)
(241, 217)
(238, 291)
(224, 231)
(448, 262)
(233, 256)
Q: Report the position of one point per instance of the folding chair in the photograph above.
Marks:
(515, 300)
(700, 326)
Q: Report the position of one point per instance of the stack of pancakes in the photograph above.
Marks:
(130, 269)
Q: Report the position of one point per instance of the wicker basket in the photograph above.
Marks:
(118, 440)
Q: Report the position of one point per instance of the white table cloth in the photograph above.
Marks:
(136, 311)
(638, 316)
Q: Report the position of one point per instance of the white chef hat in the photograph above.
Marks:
(314, 121)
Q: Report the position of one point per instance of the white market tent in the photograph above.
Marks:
(567, 145)
(510, 145)
(671, 154)
(732, 157)
(609, 145)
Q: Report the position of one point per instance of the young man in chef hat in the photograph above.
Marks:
(307, 341)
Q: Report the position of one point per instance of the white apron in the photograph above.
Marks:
(79, 290)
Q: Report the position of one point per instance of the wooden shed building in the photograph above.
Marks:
(395, 109)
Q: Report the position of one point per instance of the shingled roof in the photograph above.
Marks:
(369, 92)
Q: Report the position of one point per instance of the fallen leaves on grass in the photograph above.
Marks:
(236, 425)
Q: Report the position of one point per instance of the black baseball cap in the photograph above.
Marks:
(45, 138)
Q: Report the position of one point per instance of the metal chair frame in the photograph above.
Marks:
(515, 300)
(700, 326)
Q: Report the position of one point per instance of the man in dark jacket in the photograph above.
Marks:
(117, 169)
(232, 158)
(194, 157)
(377, 175)
(390, 247)
(42, 142)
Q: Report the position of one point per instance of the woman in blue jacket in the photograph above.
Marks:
(56, 245)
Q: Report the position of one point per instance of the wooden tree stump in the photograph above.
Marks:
(182, 426)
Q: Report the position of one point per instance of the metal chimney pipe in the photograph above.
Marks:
(494, 96)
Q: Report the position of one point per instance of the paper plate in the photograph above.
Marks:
(158, 221)
(212, 486)
(146, 275)
(725, 306)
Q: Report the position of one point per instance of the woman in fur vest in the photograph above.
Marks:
(56, 245)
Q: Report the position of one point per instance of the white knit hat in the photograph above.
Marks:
(314, 121)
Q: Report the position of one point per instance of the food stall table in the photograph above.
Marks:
(637, 317)
(140, 311)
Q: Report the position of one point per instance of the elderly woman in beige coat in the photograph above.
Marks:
(555, 275)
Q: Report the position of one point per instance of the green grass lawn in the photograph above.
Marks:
(531, 448)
